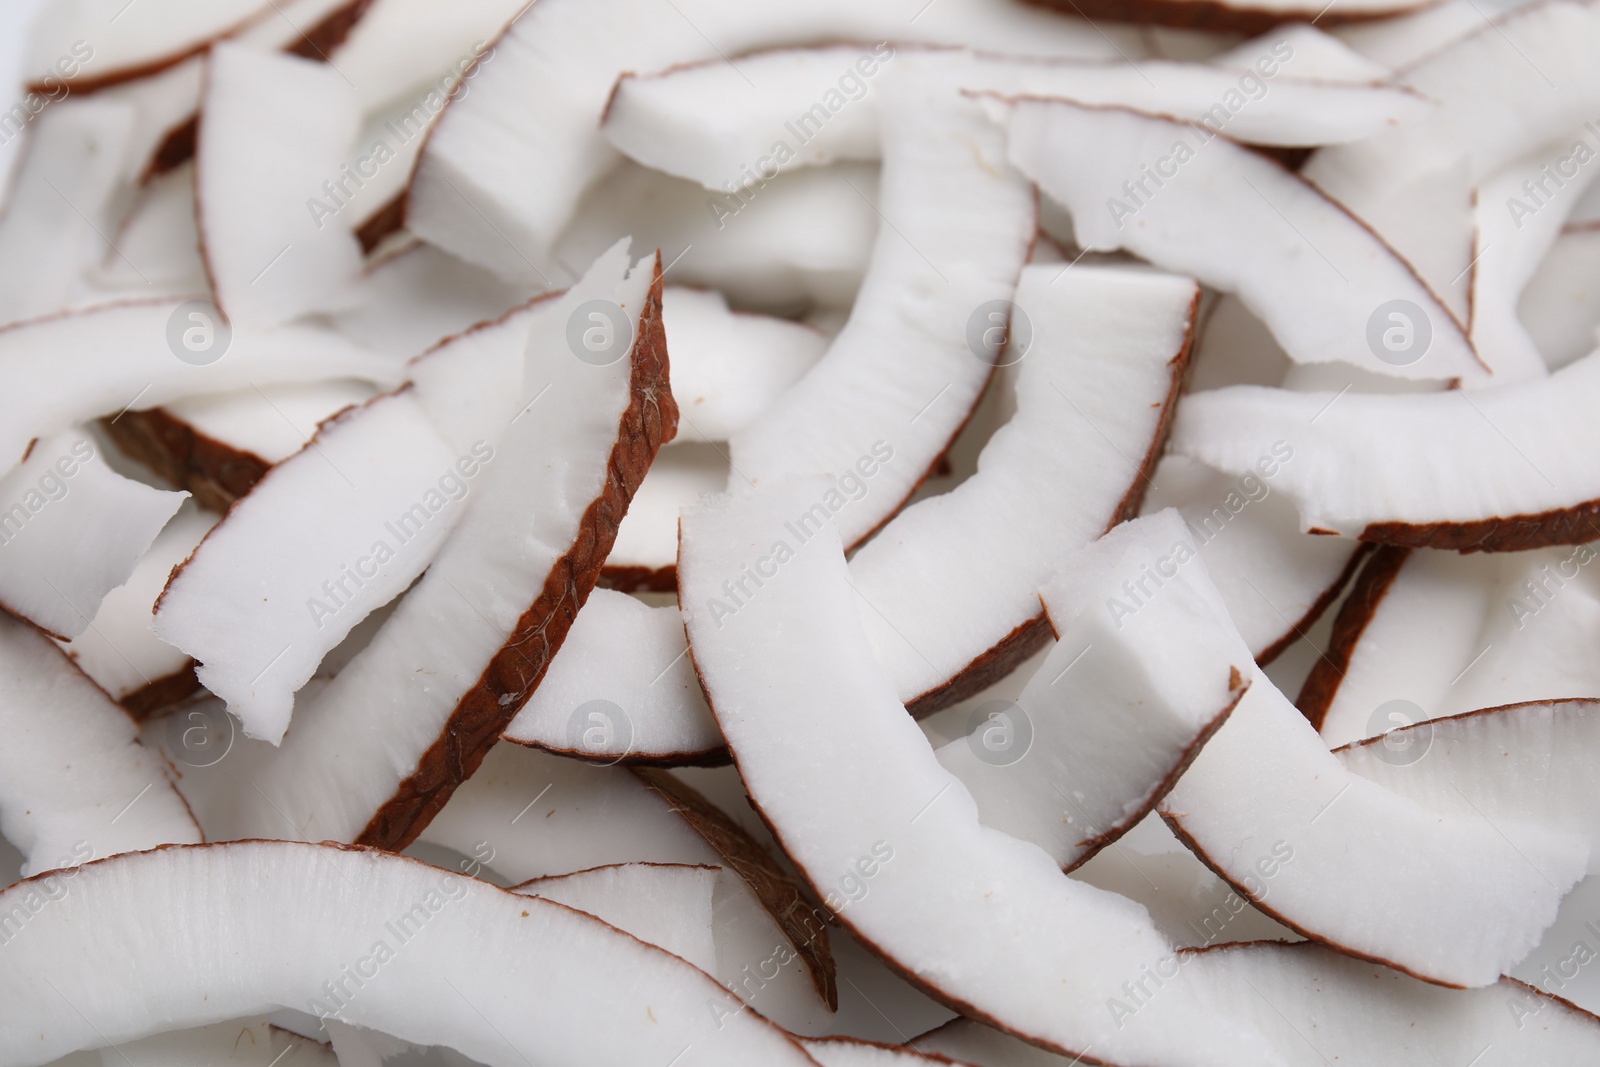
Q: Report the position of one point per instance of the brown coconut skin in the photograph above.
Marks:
(484, 711)
(217, 474)
(1213, 16)
(1576, 525)
(1371, 586)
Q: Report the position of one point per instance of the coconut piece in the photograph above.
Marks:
(1255, 16)
(1318, 278)
(646, 553)
(904, 373)
(72, 530)
(1560, 306)
(161, 102)
(667, 905)
(60, 205)
(849, 1052)
(119, 650)
(1320, 1008)
(1497, 471)
(276, 901)
(91, 44)
(266, 425)
(76, 367)
(533, 118)
(400, 44)
(949, 589)
(157, 247)
(237, 1043)
(885, 835)
(512, 599)
(1306, 53)
(701, 121)
(256, 148)
(76, 783)
(269, 593)
(1099, 734)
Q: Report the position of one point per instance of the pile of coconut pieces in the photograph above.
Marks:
(991, 533)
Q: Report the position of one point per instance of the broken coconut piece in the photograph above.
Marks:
(505, 587)
(885, 835)
(902, 376)
(703, 121)
(72, 530)
(1100, 733)
(372, 939)
(76, 784)
(1177, 194)
(949, 589)
(1492, 471)
(274, 131)
(663, 904)
(1319, 1008)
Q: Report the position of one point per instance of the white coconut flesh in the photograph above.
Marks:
(846, 1052)
(703, 122)
(647, 541)
(1314, 273)
(1497, 470)
(236, 1043)
(1099, 733)
(76, 783)
(399, 44)
(1560, 306)
(119, 649)
(76, 367)
(270, 423)
(255, 147)
(666, 905)
(532, 120)
(889, 838)
(163, 103)
(1306, 53)
(368, 938)
(958, 574)
(1320, 1008)
(157, 244)
(90, 43)
(511, 595)
(71, 530)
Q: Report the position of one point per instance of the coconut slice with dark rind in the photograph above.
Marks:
(1223, 16)
(890, 840)
(666, 905)
(1494, 471)
(317, 913)
(76, 783)
(1313, 272)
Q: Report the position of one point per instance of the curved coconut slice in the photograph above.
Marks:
(119, 650)
(90, 44)
(1251, 16)
(72, 530)
(1179, 194)
(848, 1052)
(888, 837)
(1320, 1008)
(511, 595)
(646, 553)
(60, 205)
(627, 662)
(949, 589)
(76, 784)
(1275, 581)
(533, 118)
(1099, 734)
(703, 122)
(904, 373)
(378, 944)
(77, 367)
(1524, 763)
(1495, 471)
(1560, 306)
(667, 905)
(728, 368)
(272, 590)
(273, 248)
(238, 1043)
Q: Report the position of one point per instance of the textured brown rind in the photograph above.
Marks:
(1576, 525)
(485, 710)
(1371, 586)
(1314, 612)
(216, 473)
(777, 890)
(161, 694)
(1430, 725)
(710, 757)
(1216, 17)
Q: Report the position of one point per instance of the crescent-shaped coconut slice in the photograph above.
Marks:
(72, 530)
(75, 784)
(1318, 277)
(1497, 471)
(274, 129)
(511, 577)
(891, 840)
(236, 1043)
(120, 650)
(704, 122)
(368, 938)
(532, 119)
(1099, 734)
(902, 376)
(77, 367)
(85, 45)
(1320, 1008)
(949, 589)
(663, 904)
